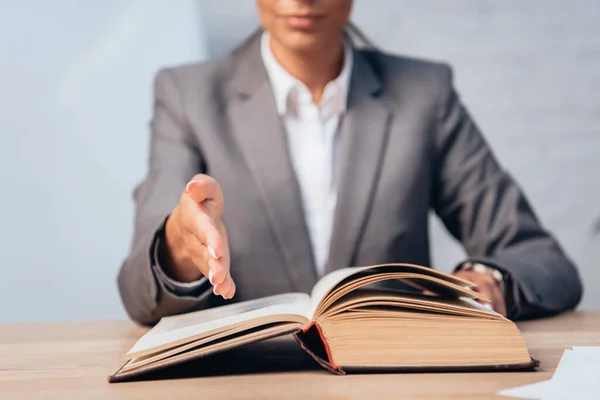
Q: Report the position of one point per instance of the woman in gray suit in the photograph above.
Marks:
(300, 153)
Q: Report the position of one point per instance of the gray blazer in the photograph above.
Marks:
(407, 146)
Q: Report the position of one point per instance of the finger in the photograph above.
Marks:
(477, 279)
(204, 189)
(208, 234)
(491, 291)
(220, 266)
(231, 292)
(484, 294)
(486, 300)
(491, 301)
(203, 225)
(223, 288)
(219, 270)
(198, 254)
(483, 289)
(497, 299)
(201, 259)
(215, 270)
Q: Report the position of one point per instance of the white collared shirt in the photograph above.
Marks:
(311, 131)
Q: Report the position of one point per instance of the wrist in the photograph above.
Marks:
(479, 268)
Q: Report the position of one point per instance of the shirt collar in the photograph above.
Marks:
(286, 88)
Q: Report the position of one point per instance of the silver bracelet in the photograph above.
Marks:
(483, 269)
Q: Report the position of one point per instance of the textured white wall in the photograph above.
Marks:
(528, 70)
(75, 100)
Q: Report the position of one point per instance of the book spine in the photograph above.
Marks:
(312, 340)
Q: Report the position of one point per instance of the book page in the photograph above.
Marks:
(176, 328)
(230, 343)
(224, 339)
(368, 298)
(327, 283)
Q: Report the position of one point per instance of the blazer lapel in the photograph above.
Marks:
(362, 139)
(260, 136)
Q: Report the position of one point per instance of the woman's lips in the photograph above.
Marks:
(302, 21)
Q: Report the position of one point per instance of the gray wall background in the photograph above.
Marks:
(75, 100)
(529, 72)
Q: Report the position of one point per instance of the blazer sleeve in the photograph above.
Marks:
(174, 159)
(484, 208)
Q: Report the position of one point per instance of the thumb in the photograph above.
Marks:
(204, 188)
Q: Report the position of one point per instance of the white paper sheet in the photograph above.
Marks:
(579, 366)
(576, 377)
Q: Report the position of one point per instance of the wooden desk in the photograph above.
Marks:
(72, 361)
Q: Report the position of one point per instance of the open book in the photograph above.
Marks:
(347, 324)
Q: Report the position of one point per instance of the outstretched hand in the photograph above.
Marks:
(196, 239)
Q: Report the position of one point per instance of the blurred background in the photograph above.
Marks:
(76, 95)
